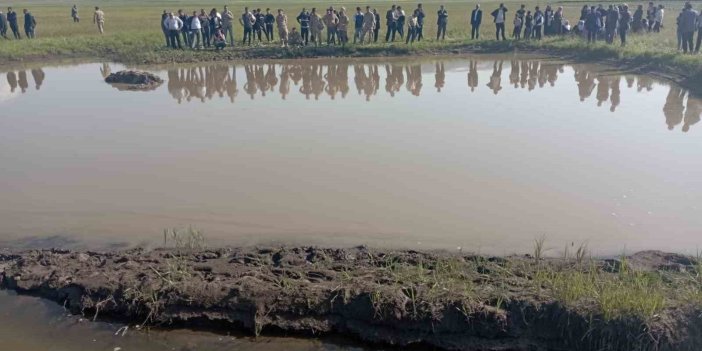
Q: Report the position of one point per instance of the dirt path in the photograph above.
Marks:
(451, 301)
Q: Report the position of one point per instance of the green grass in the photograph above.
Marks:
(133, 35)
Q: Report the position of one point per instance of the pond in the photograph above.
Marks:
(481, 153)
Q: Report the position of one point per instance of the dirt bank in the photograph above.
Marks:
(451, 301)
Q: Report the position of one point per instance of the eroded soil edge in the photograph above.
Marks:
(452, 301)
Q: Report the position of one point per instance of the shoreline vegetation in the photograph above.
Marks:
(447, 300)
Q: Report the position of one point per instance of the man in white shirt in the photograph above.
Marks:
(173, 25)
(195, 31)
(660, 13)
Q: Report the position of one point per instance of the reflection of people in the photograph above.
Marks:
(602, 89)
(439, 76)
(38, 75)
(615, 97)
(692, 112)
(673, 108)
(472, 75)
(496, 78)
(12, 80)
(23, 83)
(105, 70)
(414, 79)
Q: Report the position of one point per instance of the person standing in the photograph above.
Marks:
(688, 25)
(376, 30)
(558, 21)
(412, 27)
(528, 25)
(206, 30)
(3, 25)
(304, 20)
(185, 31)
(592, 25)
(611, 23)
(228, 25)
(99, 19)
(391, 23)
(173, 25)
(316, 27)
(343, 27)
(74, 14)
(401, 18)
(331, 20)
(651, 15)
(660, 14)
(270, 22)
(516, 33)
(357, 25)
(259, 26)
(520, 14)
(625, 20)
(699, 33)
(637, 22)
(476, 18)
(164, 16)
(282, 21)
(30, 24)
(499, 17)
(420, 22)
(368, 25)
(538, 23)
(247, 21)
(548, 21)
(441, 22)
(195, 31)
(12, 20)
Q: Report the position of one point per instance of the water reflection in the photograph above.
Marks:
(315, 79)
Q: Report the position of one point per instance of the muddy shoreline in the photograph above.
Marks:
(450, 301)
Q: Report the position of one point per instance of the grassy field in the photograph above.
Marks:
(133, 34)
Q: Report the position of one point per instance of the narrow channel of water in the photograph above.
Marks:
(33, 324)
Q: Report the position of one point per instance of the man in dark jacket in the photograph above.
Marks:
(592, 24)
(304, 20)
(441, 22)
(420, 22)
(3, 25)
(611, 23)
(499, 18)
(377, 26)
(270, 21)
(391, 19)
(12, 20)
(30, 24)
(476, 18)
(186, 27)
(688, 25)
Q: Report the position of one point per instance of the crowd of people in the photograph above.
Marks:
(10, 22)
(214, 29)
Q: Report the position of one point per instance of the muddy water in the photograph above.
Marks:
(32, 324)
(483, 153)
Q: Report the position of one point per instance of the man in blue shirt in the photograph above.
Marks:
(358, 25)
(420, 22)
(12, 20)
(29, 24)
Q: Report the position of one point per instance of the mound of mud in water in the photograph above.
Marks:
(450, 301)
(134, 80)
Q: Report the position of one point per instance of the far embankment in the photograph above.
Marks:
(133, 36)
